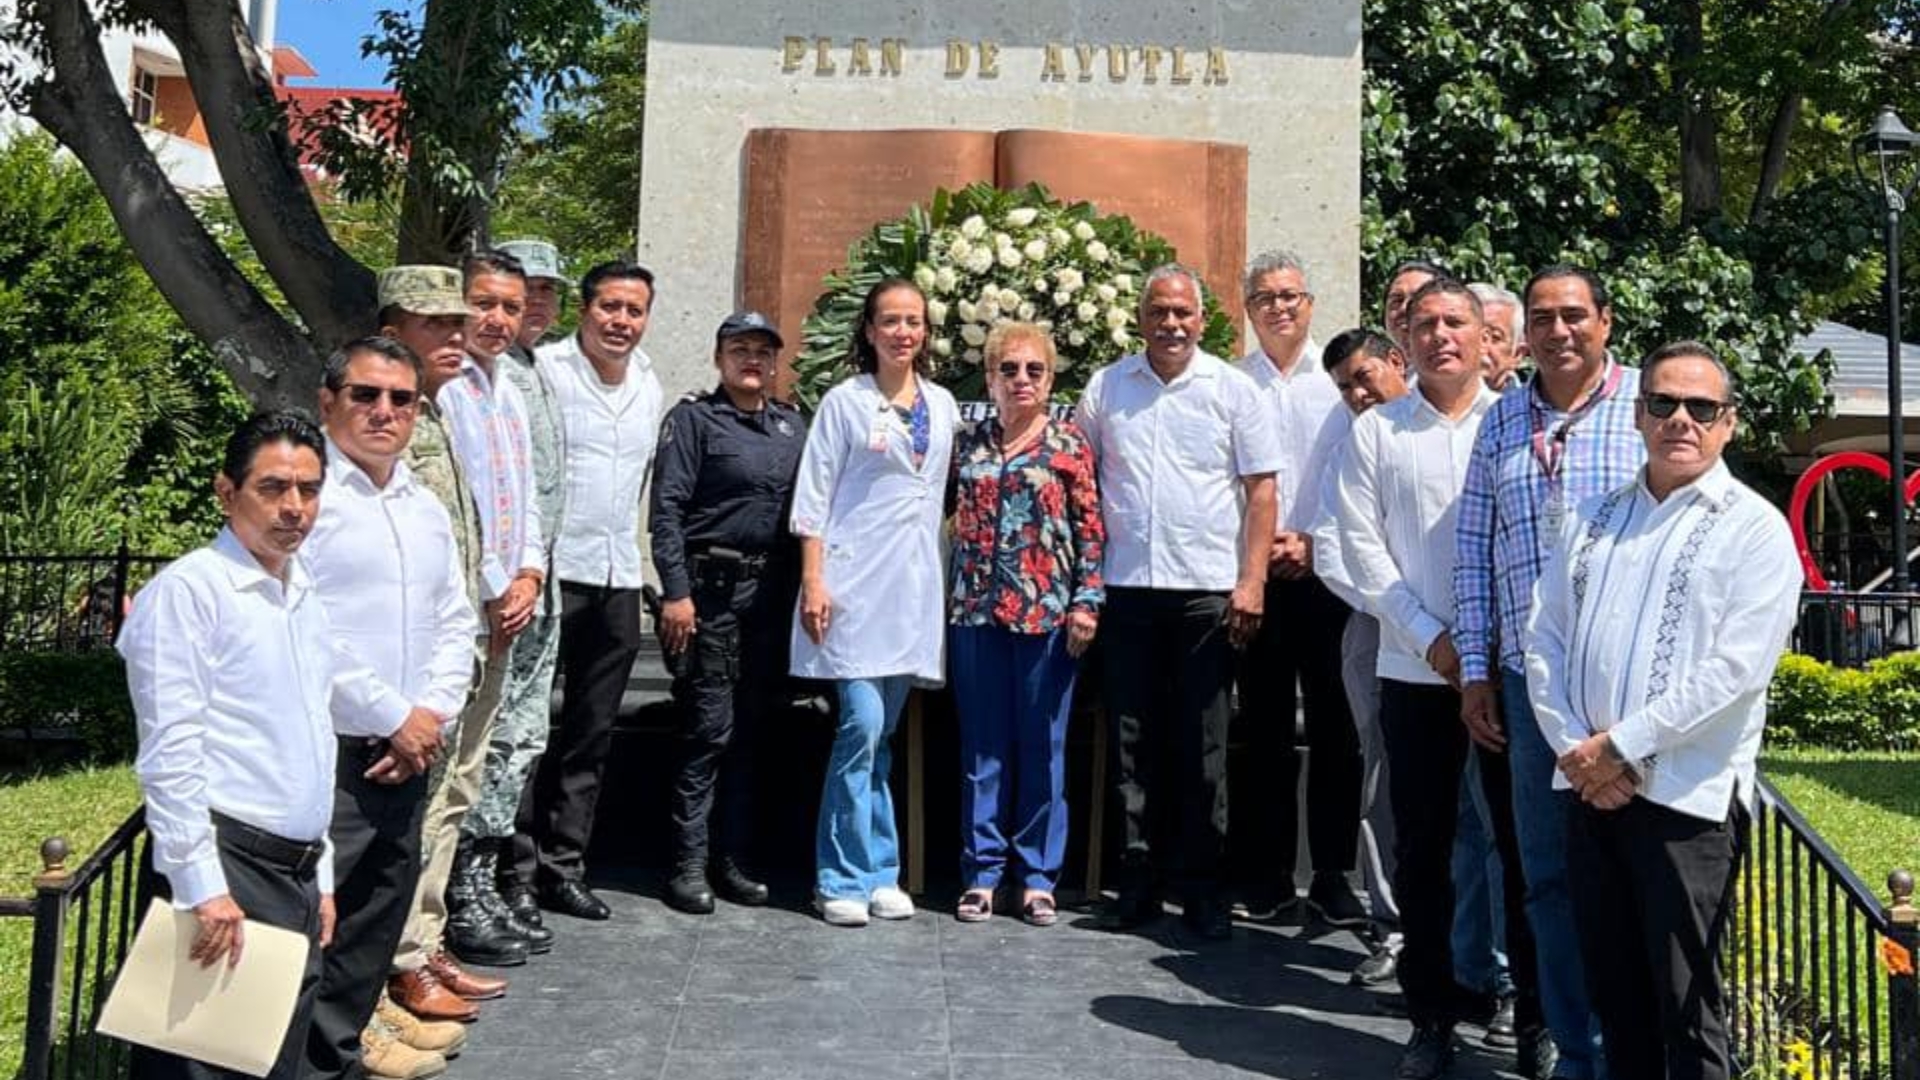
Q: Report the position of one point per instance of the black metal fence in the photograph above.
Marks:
(67, 603)
(1851, 628)
(1820, 973)
(83, 923)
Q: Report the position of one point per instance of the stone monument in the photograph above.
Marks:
(780, 130)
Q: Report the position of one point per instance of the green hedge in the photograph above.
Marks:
(78, 698)
(1872, 708)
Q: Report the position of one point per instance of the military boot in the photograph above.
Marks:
(734, 884)
(539, 939)
(688, 890)
(474, 933)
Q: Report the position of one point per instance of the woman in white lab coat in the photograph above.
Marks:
(867, 507)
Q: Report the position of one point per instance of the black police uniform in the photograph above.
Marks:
(722, 488)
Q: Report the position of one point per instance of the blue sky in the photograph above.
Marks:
(328, 33)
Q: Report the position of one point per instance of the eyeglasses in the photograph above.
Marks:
(1035, 371)
(1285, 301)
(1703, 411)
(362, 394)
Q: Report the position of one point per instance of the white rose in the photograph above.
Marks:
(937, 311)
(959, 249)
(1021, 218)
(1076, 339)
(979, 261)
(973, 334)
(989, 310)
(972, 356)
(1097, 251)
(1069, 278)
(1082, 230)
(974, 227)
(1107, 293)
(1062, 298)
(1036, 249)
(1040, 285)
(942, 347)
(1002, 240)
(1087, 310)
(923, 276)
(1123, 282)
(966, 310)
(1026, 311)
(1119, 336)
(1059, 236)
(1116, 318)
(1009, 298)
(1010, 258)
(945, 280)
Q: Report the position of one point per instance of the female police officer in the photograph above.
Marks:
(723, 478)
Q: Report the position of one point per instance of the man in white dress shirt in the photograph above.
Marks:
(1187, 455)
(1295, 658)
(384, 564)
(1655, 629)
(1398, 498)
(230, 666)
(610, 399)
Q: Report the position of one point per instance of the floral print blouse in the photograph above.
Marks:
(1027, 530)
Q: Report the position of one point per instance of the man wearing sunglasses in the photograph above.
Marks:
(1660, 615)
(385, 566)
(1566, 437)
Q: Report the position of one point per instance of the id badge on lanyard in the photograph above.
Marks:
(1550, 453)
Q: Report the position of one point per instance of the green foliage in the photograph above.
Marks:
(973, 253)
(116, 413)
(82, 696)
(1873, 708)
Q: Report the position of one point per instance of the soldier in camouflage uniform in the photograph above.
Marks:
(520, 733)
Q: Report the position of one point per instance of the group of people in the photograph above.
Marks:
(1525, 625)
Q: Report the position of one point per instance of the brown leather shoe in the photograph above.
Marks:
(463, 982)
(421, 993)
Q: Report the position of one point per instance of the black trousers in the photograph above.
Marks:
(1295, 656)
(274, 893)
(376, 865)
(599, 638)
(1167, 669)
(1651, 890)
(1427, 749)
(726, 686)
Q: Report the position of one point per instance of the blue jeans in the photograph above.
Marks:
(1014, 692)
(856, 848)
(1540, 819)
(1479, 912)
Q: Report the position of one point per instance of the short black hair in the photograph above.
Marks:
(1595, 287)
(1425, 266)
(1446, 286)
(615, 270)
(1695, 350)
(264, 429)
(1361, 340)
(334, 375)
(489, 261)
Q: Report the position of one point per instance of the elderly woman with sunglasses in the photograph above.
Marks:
(1026, 598)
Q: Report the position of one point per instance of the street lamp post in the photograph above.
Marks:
(1878, 156)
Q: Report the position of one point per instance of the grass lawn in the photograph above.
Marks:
(1866, 805)
(82, 805)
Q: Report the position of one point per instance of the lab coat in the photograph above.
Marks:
(880, 520)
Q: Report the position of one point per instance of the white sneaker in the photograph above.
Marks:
(838, 912)
(891, 903)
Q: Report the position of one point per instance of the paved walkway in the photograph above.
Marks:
(774, 994)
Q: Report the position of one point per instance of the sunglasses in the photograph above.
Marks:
(1035, 371)
(362, 394)
(1703, 411)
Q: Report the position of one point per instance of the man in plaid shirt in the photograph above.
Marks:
(1568, 436)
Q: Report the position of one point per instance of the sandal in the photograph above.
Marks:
(975, 906)
(1040, 910)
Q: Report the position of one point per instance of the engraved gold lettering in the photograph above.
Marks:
(1150, 59)
(860, 62)
(822, 61)
(793, 53)
(989, 59)
(890, 52)
(1083, 56)
(1216, 66)
(1053, 65)
(1181, 75)
(1119, 62)
(957, 58)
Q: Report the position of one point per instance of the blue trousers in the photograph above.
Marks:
(856, 848)
(1540, 820)
(1014, 692)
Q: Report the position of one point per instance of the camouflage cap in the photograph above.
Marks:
(539, 258)
(423, 290)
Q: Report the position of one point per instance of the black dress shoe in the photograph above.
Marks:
(1130, 910)
(688, 891)
(521, 901)
(1428, 1053)
(734, 884)
(573, 898)
(1536, 1055)
(1206, 916)
(1332, 899)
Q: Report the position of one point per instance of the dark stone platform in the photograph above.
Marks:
(775, 993)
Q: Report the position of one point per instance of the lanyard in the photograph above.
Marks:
(1550, 453)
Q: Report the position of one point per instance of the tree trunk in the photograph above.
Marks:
(247, 129)
(79, 102)
(1773, 160)
(1699, 125)
(437, 225)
